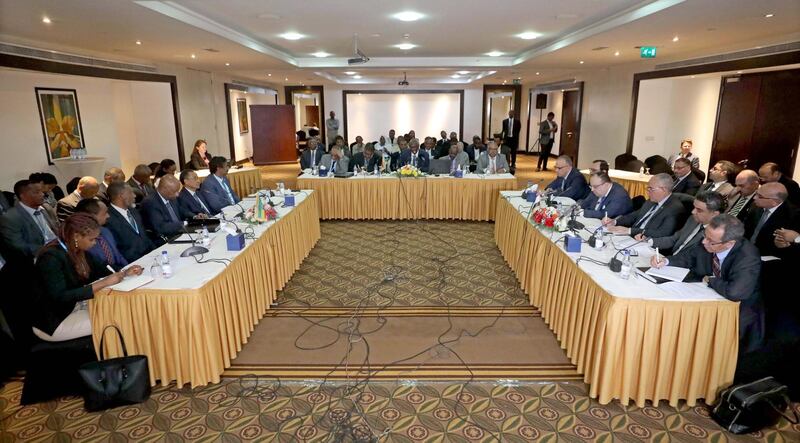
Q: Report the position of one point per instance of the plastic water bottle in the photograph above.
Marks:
(204, 237)
(166, 268)
(641, 171)
(155, 268)
(598, 238)
(627, 266)
(377, 170)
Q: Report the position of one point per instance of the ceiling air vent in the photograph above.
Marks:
(62, 57)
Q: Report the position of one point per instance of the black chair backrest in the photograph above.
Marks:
(632, 166)
(621, 160)
(699, 174)
(657, 165)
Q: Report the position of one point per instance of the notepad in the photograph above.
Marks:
(671, 273)
(131, 283)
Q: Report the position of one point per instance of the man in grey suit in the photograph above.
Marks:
(490, 162)
(111, 175)
(26, 227)
(547, 136)
(707, 205)
(5, 205)
(457, 159)
(721, 176)
(660, 216)
(87, 188)
(335, 162)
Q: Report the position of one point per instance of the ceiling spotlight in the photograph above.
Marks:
(194, 56)
(738, 72)
(46, 20)
(321, 54)
(675, 39)
(455, 76)
(581, 62)
(357, 77)
(537, 73)
(286, 79)
(350, 72)
(770, 15)
(616, 54)
(138, 42)
(227, 64)
(405, 46)
(463, 72)
(528, 35)
(292, 36)
(494, 54)
(408, 16)
(269, 75)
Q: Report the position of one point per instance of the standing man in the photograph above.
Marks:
(547, 136)
(331, 128)
(511, 128)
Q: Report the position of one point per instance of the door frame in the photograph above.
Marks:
(290, 90)
(765, 61)
(565, 85)
(239, 87)
(515, 89)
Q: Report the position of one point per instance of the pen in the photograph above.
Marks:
(658, 256)
(111, 269)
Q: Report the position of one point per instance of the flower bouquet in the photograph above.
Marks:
(260, 213)
(546, 217)
(409, 171)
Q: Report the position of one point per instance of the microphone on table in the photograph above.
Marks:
(194, 249)
(573, 224)
(615, 265)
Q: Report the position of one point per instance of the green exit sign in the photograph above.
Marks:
(647, 52)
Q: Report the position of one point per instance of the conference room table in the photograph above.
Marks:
(632, 339)
(633, 182)
(191, 326)
(473, 197)
(244, 180)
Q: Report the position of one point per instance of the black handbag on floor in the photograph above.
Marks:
(116, 381)
(752, 406)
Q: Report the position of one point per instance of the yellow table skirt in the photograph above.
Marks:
(627, 349)
(245, 182)
(191, 336)
(408, 198)
(634, 187)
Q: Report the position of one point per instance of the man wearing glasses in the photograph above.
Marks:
(660, 216)
(771, 212)
(770, 173)
(569, 182)
(730, 265)
(607, 199)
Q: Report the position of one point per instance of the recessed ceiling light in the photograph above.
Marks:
(738, 72)
(376, 35)
(138, 42)
(408, 16)
(286, 79)
(350, 72)
(292, 36)
(537, 73)
(581, 62)
(321, 54)
(227, 64)
(269, 75)
(494, 54)
(356, 77)
(194, 56)
(528, 35)
(46, 19)
(463, 72)
(405, 46)
(616, 54)
(675, 39)
(770, 15)
(693, 76)
(455, 76)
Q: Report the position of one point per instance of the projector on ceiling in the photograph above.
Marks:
(360, 59)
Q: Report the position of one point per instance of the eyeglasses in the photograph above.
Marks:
(762, 196)
(713, 243)
(561, 167)
(651, 189)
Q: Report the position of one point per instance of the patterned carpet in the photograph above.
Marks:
(431, 263)
(262, 410)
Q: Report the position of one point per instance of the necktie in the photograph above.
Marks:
(228, 191)
(716, 269)
(106, 249)
(132, 221)
(313, 158)
(202, 205)
(47, 233)
(414, 160)
(692, 235)
(737, 208)
(171, 212)
(453, 166)
(599, 203)
(494, 165)
(761, 221)
(333, 166)
(643, 221)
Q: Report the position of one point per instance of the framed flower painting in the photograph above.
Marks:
(61, 121)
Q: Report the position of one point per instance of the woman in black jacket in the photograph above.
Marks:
(200, 157)
(68, 277)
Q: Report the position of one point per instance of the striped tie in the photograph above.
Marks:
(106, 250)
(737, 208)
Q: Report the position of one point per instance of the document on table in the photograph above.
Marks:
(130, 283)
(671, 273)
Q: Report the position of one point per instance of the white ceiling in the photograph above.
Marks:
(453, 35)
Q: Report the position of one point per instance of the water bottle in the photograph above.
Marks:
(166, 268)
(641, 171)
(155, 268)
(204, 237)
(598, 238)
(377, 170)
(627, 266)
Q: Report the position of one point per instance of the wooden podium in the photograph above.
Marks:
(273, 133)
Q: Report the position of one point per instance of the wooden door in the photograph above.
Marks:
(570, 125)
(312, 116)
(757, 120)
(272, 129)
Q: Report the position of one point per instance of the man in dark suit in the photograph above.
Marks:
(720, 178)
(5, 205)
(772, 211)
(707, 205)
(569, 181)
(110, 176)
(216, 187)
(478, 147)
(547, 136)
(511, 128)
(191, 202)
(126, 224)
(414, 157)
(740, 200)
(366, 159)
(161, 213)
(770, 173)
(442, 145)
(87, 188)
(26, 227)
(607, 199)
(731, 266)
(105, 249)
(429, 146)
(660, 216)
(685, 181)
(311, 155)
(140, 182)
